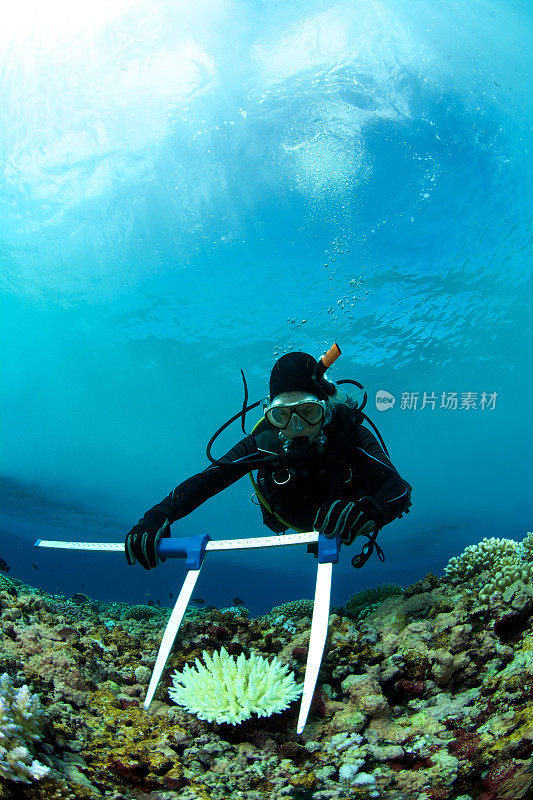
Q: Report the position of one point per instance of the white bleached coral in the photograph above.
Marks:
(231, 690)
(21, 717)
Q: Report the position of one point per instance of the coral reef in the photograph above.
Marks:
(425, 696)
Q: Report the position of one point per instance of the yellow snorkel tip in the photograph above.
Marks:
(323, 364)
(330, 356)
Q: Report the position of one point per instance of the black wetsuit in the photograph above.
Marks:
(349, 465)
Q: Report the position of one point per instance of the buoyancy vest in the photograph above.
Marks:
(289, 497)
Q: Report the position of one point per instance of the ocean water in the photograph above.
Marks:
(191, 189)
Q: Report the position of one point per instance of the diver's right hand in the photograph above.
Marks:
(142, 541)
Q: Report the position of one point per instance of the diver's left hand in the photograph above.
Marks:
(348, 519)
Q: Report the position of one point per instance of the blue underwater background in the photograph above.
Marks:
(188, 189)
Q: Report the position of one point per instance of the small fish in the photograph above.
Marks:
(80, 598)
(35, 566)
(199, 601)
(150, 603)
(171, 595)
(238, 602)
(158, 602)
(497, 84)
(4, 566)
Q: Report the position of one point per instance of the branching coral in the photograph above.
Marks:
(20, 722)
(294, 608)
(357, 604)
(505, 576)
(483, 556)
(231, 690)
(506, 561)
(288, 615)
(527, 544)
(142, 612)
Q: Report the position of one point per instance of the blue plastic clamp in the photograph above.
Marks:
(328, 549)
(192, 548)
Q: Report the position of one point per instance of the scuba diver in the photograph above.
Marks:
(317, 466)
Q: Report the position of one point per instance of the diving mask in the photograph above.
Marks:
(308, 409)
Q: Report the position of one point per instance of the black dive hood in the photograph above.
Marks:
(320, 386)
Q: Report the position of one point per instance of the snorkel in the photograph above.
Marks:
(324, 363)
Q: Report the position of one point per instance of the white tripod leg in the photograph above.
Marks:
(170, 632)
(319, 632)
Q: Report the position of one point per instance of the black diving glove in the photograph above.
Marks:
(142, 541)
(348, 519)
